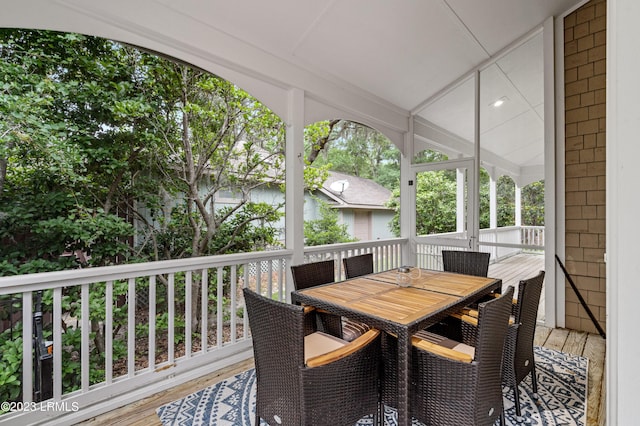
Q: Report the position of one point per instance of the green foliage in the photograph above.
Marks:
(506, 200)
(326, 229)
(249, 228)
(95, 133)
(354, 149)
(435, 204)
(315, 176)
(10, 365)
(533, 204)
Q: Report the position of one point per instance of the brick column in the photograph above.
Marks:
(585, 68)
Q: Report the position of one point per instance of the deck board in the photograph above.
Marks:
(515, 268)
(519, 267)
(595, 350)
(591, 346)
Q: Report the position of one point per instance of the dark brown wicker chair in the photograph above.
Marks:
(518, 354)
(310, 275)
(336, 388)
(462, 262)
(449, 385)
(466, 262)
(451, 390)
(519, 360)
(356, 266)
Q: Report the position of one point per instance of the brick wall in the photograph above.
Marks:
(585, 68)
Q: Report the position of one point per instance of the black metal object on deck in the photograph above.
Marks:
(581, 299)
(43, 384)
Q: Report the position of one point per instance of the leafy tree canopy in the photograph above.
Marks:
(97, 136)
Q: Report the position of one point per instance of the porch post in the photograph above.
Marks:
(493, 202)
(408, 199)
(294, 179)
(460, 212)
(518, 206)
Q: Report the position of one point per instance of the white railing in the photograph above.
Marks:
(387, 253)
(532, 236)
(139, 326)
(500, 242)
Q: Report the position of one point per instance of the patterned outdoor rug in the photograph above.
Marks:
(562, 380)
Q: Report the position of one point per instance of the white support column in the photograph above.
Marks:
(493, 202)
(460, 210)
(408, 199)
(518, 206)
(473, 227)
(294, 193)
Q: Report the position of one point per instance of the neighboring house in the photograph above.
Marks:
(361, 205)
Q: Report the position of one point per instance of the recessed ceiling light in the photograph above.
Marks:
(499, 102)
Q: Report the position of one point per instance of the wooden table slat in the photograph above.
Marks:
(443, 282)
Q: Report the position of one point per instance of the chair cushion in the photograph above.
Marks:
(446, 342)
(351, 330)
(319, 343)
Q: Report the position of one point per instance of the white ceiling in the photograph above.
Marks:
(403, 51)
(398, 53)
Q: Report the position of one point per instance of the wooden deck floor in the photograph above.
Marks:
(519, 267)
(591, 346)
(515, 268)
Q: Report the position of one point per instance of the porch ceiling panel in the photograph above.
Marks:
(512, 139)
(496, 23)
(391, 48)
(376, 59)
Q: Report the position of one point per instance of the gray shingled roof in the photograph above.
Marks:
(359, 193)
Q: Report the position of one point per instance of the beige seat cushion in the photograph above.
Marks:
(319, 343)
(444, 342)
(465, 349)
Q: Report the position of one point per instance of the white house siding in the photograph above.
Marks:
(272, 195)
(380, 220)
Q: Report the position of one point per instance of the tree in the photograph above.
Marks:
(215, 138)
(435, 204)
(54, 95)
(326, 229)
(533, 204)
(355, 149)
(505, 200)
(89, 127)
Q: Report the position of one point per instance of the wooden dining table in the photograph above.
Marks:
(399, 303)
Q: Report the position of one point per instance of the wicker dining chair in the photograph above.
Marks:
(311, 274)
(462, 262)
(466, 262)
(453, 383)
(519, 360)
(356, 266)
(296, 387)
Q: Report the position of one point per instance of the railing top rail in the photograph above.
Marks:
(347, 246)
(47, 280)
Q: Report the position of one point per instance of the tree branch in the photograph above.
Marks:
(319, 146)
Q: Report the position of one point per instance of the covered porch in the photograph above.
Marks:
(373, 81)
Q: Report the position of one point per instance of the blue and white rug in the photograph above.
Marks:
(562, 390)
